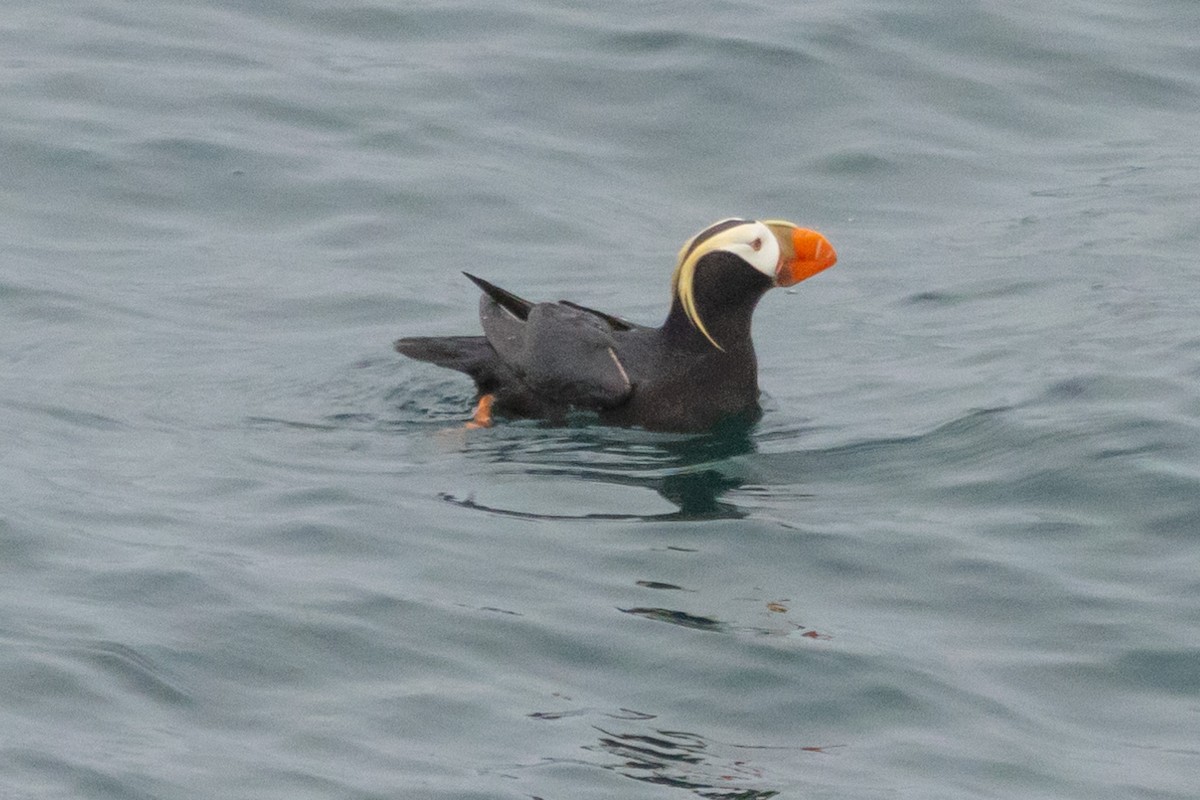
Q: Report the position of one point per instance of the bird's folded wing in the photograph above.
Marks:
(616, 323)
(562, 353)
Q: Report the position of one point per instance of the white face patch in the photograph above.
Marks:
(756, 245)
(751, 241)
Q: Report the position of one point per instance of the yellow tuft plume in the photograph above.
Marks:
(684, 278)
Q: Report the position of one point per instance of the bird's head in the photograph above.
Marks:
(785, 253)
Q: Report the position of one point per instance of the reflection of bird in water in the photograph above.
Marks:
(697, 493)
(543, 360)
(684, 471)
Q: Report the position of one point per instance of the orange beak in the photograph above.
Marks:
(802, 253)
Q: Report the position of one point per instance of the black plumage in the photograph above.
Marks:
(543, 360)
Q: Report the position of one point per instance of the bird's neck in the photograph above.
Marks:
(728, 326)
(725, 379)
(725, 290)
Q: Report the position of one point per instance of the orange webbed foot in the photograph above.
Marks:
(483, 412)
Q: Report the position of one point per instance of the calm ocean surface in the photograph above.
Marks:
(247, 551)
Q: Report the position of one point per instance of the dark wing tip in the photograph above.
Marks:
(480, 282)
(517, 306)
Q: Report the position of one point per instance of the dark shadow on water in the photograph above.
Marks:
(781, 627)
(636, 745)
(681, 618)
(681, 760)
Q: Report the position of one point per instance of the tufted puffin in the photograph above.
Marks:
(541, 360)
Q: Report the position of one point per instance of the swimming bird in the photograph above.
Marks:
(543, 360)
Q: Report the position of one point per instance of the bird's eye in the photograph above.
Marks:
(756, 245)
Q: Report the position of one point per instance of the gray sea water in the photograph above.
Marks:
(247, 551)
